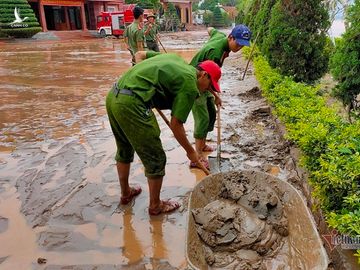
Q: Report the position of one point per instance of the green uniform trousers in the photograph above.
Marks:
(135, 128)
(204, 113)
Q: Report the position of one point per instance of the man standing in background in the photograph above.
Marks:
(134, 35)
(151, 33)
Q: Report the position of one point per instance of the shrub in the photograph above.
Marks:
(21, 29)
(345, 63)
(218, 19)
(296, 39)
(330, 146)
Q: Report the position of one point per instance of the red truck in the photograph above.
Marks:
(114, 23)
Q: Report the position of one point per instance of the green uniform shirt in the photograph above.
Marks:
(151, 36)
(134, 35)
(204, 107)
(165, 81)
(213, 49)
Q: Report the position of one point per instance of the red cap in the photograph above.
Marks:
(214, 72)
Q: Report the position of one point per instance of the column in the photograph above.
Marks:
(190, 14)
(182, 11)
(67, 20)
(42, 16)
(83, 18)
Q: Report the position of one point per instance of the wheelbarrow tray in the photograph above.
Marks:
(307, 244)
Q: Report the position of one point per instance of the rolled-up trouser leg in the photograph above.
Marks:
(204, 116)
(153, 46)
(135, 127)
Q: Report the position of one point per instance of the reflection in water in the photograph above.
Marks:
(55, 141)
(159, 247)
(55, 91)
(133, 250)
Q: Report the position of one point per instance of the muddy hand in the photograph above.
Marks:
(202, 167)
(194, 157)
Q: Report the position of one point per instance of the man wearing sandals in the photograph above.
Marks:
(216, 49)
(165, 81)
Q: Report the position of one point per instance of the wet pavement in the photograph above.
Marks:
(58, 184)
(59, 191)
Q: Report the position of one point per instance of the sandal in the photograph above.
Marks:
(134, 191)
(203, 161)
(164, 208)
(208, 148)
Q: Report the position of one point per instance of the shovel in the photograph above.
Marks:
(199, 164)
(161, 44)
(218, 163)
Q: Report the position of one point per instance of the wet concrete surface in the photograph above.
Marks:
(59, 191)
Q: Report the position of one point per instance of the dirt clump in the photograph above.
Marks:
(244, 226)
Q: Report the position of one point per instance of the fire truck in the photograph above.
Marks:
(114, 23)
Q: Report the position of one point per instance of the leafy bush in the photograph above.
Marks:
(8, 27)
(296, 39)
(208, 17)
(218, 19)
(345, 63)
(330, 146)
(261, 20)
(171, 18)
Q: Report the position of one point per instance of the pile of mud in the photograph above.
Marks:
(245, 227)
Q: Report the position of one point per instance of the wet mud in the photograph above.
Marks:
(59, 191)
(245, 226)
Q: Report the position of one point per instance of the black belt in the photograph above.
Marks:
(116, 91)
(150, 41)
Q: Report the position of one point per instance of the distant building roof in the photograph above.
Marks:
(232, 11)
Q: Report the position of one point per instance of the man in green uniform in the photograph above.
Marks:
(151, 33)
(164, 81)
(134, 35)
(216, 49)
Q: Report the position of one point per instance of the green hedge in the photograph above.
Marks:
(27, 28)
(330, 146)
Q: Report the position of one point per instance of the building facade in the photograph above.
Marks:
(183, 8)
(67, 15)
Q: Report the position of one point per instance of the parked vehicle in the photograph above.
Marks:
(114, 23)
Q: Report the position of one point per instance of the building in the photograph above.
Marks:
(67, 15)
(183, 9)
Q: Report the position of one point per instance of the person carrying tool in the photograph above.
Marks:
(165, 81)
(134, 35)
(217, 48)
(151, 33)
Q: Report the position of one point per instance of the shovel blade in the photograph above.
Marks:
(217, 164)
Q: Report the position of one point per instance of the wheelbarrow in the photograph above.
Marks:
(305, 249)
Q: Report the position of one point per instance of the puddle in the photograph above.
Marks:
(57, 151)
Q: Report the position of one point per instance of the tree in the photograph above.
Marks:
(207, 17)
(17, 19)
(218, 19)
(261, 20)
(208, 5)
(338, 8)
(171, 19)
(345, 63)
(296, 39)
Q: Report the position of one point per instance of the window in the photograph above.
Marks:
(111, 9)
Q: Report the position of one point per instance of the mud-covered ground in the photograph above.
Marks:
(59, 191)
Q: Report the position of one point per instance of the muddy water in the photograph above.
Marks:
(58, 184)
(59, 191)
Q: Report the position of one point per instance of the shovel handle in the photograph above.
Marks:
(218, 148)
(199, 164)
(163, 117)
(202, 167)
